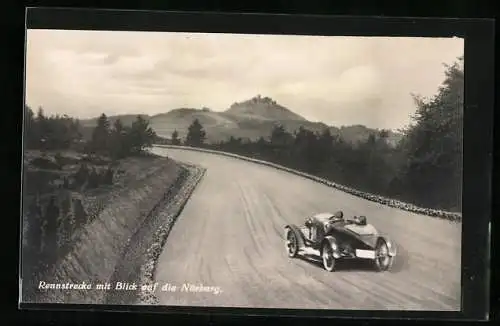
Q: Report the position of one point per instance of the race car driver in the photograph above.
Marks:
(319, 227)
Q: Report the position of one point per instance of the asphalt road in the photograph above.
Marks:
(230, 235)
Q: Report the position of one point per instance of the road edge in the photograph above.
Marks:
(450, 216)
(147, 270)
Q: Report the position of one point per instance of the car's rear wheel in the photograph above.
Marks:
(328, 259)
(383, 260)
(292, 245)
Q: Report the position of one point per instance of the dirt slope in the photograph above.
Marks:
(97, 246)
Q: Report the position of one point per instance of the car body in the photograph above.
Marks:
(343, 239)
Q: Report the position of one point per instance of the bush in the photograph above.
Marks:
(62, 160)
(81, 176)
(45, 163)
(79, 212)
(93, 179)
(108, 176)
(65, 183)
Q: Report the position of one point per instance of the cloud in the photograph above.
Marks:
(338, 80)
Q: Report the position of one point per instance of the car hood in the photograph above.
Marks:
(370, 240)
(367, 234)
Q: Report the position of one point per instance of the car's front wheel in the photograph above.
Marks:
(383, 261)
(292, 245)
(328, 258)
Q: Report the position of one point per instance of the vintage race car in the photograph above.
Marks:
(343, 239)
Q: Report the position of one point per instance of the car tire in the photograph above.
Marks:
(329, 262)
(292, 244)
(383, 261)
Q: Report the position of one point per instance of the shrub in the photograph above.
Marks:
(93, 179)
(81, 176)
(45, 163)
(108, 176)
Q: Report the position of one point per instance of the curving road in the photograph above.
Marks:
(230, 235)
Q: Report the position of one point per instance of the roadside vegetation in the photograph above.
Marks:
(424, 169)
(69, 179)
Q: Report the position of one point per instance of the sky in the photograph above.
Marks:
(335, 80)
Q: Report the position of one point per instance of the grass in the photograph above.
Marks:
(59, 211)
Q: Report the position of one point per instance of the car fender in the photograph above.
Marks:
(333, 244)
(298, 234)
(390, 245)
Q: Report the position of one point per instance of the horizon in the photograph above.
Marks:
(369, 82)
(199, 109)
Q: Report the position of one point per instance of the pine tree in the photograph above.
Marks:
(94, 179)
(79, 213)
(42, 128)
(108, 176)
(51, 218)
(118, 148)
(175, 138)
(30, 129)
(140, 136)
(100, 135)
(34, 228)
(196, 134)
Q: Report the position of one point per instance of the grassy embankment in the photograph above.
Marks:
(80, 216)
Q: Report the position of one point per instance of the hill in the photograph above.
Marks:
(262, 108)
(87, 125)
(126, 119)
(357, 133)
(250, 119)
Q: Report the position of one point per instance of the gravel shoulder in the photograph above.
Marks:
(137, 263)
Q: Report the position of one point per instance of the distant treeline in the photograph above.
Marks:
(425, 168)
(62, 132)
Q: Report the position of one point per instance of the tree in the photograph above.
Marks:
(81, 176)
(108, 176)
(100, 135)
(433, 145)
(94, 179)
(79, 212)
(30, 130)
(175, 138)
(371, 165)
(383, 134)
(42, 128)
(75, 130)
(196, 134)
(54, 132)
(140, 136)
(280, 143)
(52, 221)
(303, 148)
(118, 147)
(280, 137)
(34, 233)
(324, 147)
(58, 133)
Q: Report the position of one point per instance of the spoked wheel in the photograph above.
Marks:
(292, 245)
(328, 259)
(383, 260)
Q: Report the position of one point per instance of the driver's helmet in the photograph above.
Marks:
(338, 216)
(360, 220)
